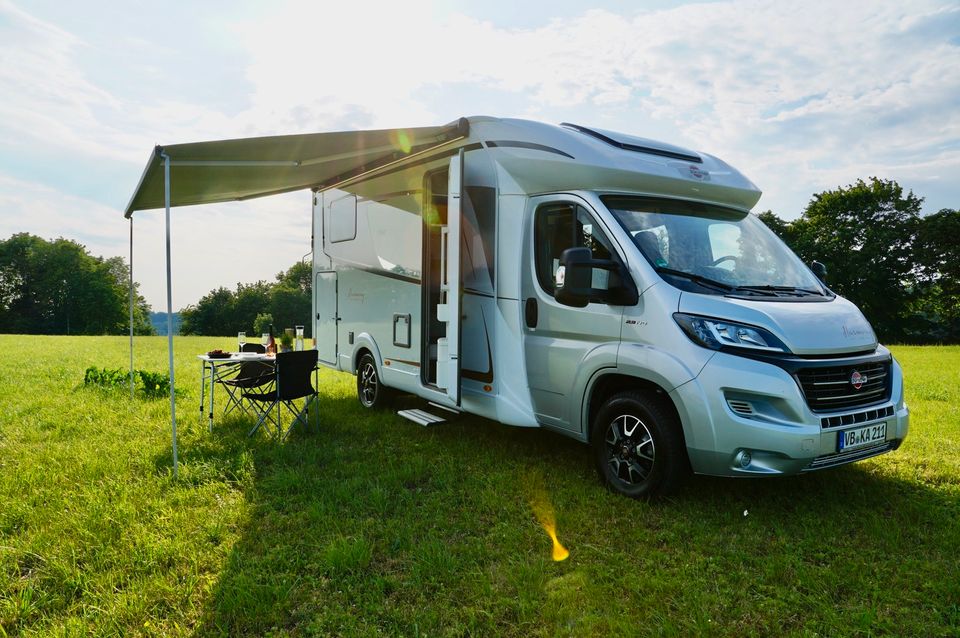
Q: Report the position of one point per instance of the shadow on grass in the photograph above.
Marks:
(375, 525)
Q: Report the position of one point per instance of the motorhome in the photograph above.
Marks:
(611, 288)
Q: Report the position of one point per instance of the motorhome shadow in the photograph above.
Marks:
(612, 288)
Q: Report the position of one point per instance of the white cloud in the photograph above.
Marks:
(51, 213)
(46, 96)
(776, 89)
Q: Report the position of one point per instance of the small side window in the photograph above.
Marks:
(343, 219)
(560, 226)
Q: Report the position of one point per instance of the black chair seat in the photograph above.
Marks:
(253, 347)
(291, 378)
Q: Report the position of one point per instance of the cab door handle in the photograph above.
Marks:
(531, 312)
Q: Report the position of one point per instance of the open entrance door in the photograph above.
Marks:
(448, 359)
(442, 282)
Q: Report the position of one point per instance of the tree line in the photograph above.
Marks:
(57, 287)
(285, 303)
(901, 268)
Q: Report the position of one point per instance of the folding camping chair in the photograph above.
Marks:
(250, 375)
(292, 381)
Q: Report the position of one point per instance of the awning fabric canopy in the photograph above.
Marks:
(228, 170)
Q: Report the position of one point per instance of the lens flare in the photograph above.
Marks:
(559, 551)
(401, 140)
(543, 510)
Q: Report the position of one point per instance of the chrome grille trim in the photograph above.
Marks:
(828, 388)
(832, 460)
(854, 418)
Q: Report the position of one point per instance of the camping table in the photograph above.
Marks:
(216, 368)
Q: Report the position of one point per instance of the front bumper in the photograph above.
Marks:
(743, 417)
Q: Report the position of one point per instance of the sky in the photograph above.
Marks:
(801, 97)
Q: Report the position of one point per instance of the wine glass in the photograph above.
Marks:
(242, 339)
(265, 340)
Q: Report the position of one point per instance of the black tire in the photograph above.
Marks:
(638, 446)
(370, 391)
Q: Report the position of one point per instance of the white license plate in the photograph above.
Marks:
(860, 437)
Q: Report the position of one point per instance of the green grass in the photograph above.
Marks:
(376, 526)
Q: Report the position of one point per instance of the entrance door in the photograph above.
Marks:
(441, 282)
(448, 360)
(325, 328)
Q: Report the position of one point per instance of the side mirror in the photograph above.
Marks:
(572, 283)
(575, 277)
(819, 270)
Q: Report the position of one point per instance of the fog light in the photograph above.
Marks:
(744, 458)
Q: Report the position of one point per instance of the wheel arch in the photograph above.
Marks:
(365, 344)
(605, 385)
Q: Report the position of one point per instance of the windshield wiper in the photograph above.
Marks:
(703, 281)
(776, 289)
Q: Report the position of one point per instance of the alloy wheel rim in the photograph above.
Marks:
(368, 384)
(631, 452)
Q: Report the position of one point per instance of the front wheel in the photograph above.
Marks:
(638, 446)
(370, 391)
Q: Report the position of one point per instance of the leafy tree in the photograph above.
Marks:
(57, 287)
(777, 225)
(262, 323)
(937, 307)
(211, 316)
(249, 301)
(142, 324)
(289, 307)
(900, 268)
(223, 312)
(299, 277)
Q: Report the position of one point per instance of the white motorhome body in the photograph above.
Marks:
(444, 272)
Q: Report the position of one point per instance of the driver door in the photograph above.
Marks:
(557, 338)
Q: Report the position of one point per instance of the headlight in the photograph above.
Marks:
(718, 333)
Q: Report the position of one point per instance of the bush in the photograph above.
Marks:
(151, 384)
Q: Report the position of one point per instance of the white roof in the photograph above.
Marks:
(545, 158)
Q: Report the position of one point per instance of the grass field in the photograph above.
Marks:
(376, 526)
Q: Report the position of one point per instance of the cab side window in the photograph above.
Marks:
(559, 226)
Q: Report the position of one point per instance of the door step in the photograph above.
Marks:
(443, 407)
(420, 417)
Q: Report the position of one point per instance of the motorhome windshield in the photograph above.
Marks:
(714, 250)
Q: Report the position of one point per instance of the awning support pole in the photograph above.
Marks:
(173, 404)
(131, 306)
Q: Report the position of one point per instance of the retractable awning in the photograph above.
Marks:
(229, 170)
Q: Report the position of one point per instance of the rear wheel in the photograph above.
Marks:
(370, 391)
(638, 446)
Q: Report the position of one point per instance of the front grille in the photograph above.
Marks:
(856, 417)
(830, 389)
